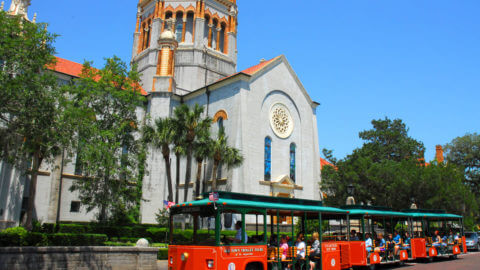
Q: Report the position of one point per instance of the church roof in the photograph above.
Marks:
(67, 67)
(253, 72)
(73, 69)
(254, 69)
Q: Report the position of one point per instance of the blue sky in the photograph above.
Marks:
(414, 60)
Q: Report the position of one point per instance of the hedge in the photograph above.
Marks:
(18, 236)
(162, 254)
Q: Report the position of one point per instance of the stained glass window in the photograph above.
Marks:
(220, 123)
(268, 159)
(292, 161)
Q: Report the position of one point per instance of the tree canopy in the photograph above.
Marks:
(33, 127)
(104, 104)
(389, 170)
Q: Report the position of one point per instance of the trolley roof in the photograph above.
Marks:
(230, 199)
(373, 211)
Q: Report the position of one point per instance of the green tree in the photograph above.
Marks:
(223, 154)
(32, 124)
(161, 136)
(104, 104)
(465, 153)
(202, 150)
(395, 175)
(188, 119)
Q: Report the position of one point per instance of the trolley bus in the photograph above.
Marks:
(213, 247)
(226, 230)
(380, 224)
(426, 225)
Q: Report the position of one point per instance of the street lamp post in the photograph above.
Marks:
(350, 192)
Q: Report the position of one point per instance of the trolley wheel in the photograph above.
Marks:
(401, 263)
(453, 257)
(430, 259)
(373, 267)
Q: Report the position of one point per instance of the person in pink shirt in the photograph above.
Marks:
(284, 247)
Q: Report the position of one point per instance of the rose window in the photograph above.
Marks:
(281, 121)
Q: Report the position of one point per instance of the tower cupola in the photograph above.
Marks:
(205, 32)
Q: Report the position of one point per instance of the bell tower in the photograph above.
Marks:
(201, 35)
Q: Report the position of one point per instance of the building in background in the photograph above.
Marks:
(186, 53)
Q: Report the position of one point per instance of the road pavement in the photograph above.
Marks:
(469, 261)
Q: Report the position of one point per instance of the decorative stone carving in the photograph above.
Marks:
(281, 121)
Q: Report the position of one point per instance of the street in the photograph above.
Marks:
(468, 261)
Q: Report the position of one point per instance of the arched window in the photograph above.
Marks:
(189, 31)
(268, 159)
(147, 35)
(222, 38)
(292, 161)
(179, 27)
(220, 123)
(206, 30)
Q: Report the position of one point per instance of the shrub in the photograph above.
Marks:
(157, 234)
(48, 228)
(119, 244)
(73, 228)
(36, 239)
(71, 239)
(162, 254)
(12, 237)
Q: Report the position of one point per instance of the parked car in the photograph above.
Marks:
(472, 240)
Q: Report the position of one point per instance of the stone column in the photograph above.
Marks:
(199, 32)
(218, 38)
(155, 32)
(210, 35)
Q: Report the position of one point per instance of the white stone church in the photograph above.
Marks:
(186, 53)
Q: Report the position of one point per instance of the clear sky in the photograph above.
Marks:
(414, 60)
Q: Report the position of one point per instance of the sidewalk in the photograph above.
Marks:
(162, 265)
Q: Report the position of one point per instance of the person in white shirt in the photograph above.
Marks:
(368, 242)
(238, 236)
(301, 247)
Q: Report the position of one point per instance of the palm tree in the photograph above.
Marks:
(202, 149)
(224, 154)
(190, 120)
(179, 150)
(160, 136)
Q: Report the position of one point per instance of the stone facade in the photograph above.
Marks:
(79, 258)
(192, 68)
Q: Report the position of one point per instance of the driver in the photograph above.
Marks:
(238, 236)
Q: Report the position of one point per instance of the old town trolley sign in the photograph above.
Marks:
(209, 233)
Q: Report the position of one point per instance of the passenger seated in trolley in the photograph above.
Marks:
(397, 240)
(353, 236)
(406, 241)
(437, 241)
(381, 245)
(238, 236)
(390, 247)
(368, 242)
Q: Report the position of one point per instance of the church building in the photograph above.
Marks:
(186, 53)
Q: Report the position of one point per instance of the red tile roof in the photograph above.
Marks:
(68, 67)
(249, 71)
(252, 70)
(74, 69)
(324, 162)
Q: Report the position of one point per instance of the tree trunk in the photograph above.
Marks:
(199, 174)
(37, 161)
(166, 156)
(214, 175)
(103, 208)
(188, 173)
(177, 177)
